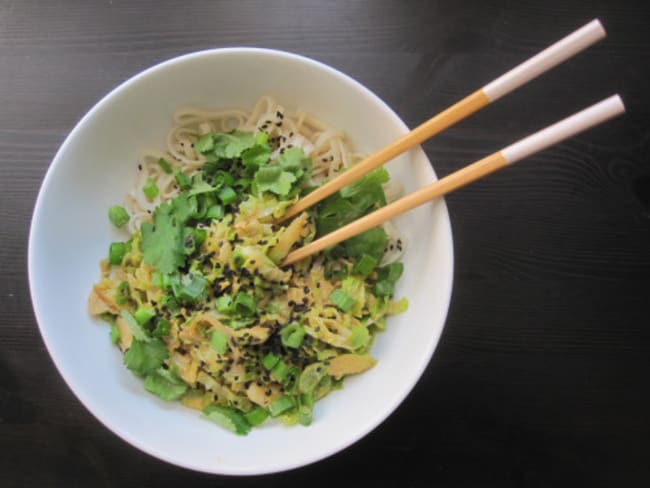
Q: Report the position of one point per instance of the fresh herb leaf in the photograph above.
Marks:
(371, 242)
(204, 144)
(145, 357)
(231, 145)
(273, 179)
(295, 161)
(256, 156)
(164, 384)
(162, 242)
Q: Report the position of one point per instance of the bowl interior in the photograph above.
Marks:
(70, 233)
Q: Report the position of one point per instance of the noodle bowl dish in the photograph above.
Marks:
(157, 275)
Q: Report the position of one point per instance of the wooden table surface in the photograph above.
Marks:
(541, 376)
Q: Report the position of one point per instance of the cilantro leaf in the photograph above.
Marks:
(275, 180)
(371, 242)
(231, 145)
(164, 384)
(295, 161)
(145, 357)
(204, 144)
(256, 156)
(162, 241)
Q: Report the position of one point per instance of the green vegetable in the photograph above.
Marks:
(122, 293)
(219, 342)
(342, 300)
(359, 337)
(224, 304)
(215, 212)
(165, 385)
(116, 252)
(227, 195)
(162, 328)
(270, 360)
(190, 288)
(292, 335)
(371, 242)
(150, 189)
(305, 409)
(245, 304)
(281, 405)
(232, 145)
(118, 215)
(257, 416)
(311, 377)
(387, 276)
(182, 180)
(166, 167)
(274, 180)
(162, 243)
(365, 265)
(228, 418)
(145, 357)
(280, 371)
(256, 156)
(115, 334)
(144, 315)
(136, 329)
(204, 144)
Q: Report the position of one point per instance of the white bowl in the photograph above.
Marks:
(70, 234)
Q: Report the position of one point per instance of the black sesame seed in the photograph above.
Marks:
(139, 167)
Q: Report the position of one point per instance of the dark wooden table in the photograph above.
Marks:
(541, 377)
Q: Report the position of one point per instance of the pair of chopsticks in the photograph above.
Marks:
(510, 81)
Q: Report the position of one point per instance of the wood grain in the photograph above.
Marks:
(541, 376)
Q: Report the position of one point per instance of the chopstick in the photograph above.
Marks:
(513, 79)
(581, 121)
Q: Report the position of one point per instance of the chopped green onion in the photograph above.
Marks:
(365, 265)
(118, 216)
(215, 212)
(224, 304)
(342, 300)
(305, 409)
(144, 315)
(257, 416)
(122, 293)
(116, 252)
(270, 360)
(115, 334)
(359, 337)
(245, 304)
(292, 335)
(281, 405)
(219, 342)
(228, 418)
(136, 329)
(190, 288)
(166, 167)
(310, 377)
(150, 189)
(227, 195)
(280, 371)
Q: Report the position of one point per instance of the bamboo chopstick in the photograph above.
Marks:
(581, 121)
(513, 79)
